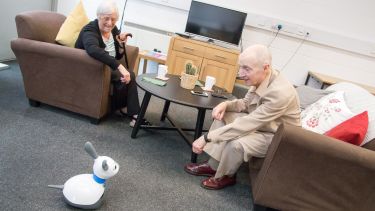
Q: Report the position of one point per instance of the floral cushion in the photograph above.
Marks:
(326, 113)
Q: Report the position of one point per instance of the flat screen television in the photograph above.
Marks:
(215, 22)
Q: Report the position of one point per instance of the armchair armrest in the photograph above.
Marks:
(308, 171)
(64, 77)
(132, 53)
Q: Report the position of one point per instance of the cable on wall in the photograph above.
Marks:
(279, 27)
(295, 52)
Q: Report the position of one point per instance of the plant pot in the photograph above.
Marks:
(188, 81)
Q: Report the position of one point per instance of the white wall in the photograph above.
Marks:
(8, 11)
(344, 21)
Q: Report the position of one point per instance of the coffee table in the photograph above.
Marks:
(174, 93)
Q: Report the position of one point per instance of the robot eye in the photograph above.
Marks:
(115, 167)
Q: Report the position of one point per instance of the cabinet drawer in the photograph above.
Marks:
(221, 56)
(188, 47)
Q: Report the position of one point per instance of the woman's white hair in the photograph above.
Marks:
(107, 7)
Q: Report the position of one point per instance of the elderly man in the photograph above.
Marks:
(244, 128)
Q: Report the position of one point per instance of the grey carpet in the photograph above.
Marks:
(44, 145)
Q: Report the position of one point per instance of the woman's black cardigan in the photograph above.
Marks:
(90, 39)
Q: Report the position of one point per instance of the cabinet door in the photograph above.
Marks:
(225, 74)
(176, 64)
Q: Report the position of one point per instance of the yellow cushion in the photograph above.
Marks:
(72, 26)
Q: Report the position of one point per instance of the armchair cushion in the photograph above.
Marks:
(352, 130)
(308, 95)
(72, 26)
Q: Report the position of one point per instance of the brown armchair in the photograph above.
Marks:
(57, 75)
(308, 171)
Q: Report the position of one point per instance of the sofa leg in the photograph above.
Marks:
(34, 103)
(94, 121)
(258, 207)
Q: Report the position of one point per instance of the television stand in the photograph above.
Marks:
(210, 59)
(182, 35)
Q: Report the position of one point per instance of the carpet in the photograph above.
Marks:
(44, 145)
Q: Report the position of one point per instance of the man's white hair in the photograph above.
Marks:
(107, 7)
(259, 52)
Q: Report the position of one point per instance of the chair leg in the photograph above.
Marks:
(34, 103)
(258, 207)
(94, 121)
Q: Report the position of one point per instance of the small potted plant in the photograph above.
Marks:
(189, 76)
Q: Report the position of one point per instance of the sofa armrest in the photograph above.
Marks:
(64, 77)
(308, 171)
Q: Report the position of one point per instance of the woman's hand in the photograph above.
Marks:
(125, 74)
(219, 111)
(122, 38)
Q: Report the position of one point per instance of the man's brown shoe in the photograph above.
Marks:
(219, 183)
(200, 169)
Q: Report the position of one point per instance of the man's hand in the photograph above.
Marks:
(219, 111)
(198, 145)
(125, 74)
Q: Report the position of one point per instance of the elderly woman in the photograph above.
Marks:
(103, 41)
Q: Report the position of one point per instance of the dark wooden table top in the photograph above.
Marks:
(173, 92)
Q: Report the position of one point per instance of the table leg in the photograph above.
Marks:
(144, 65)
(198, 130)
(165, 110)
(136, 66)
(307, 79)
(145, 101)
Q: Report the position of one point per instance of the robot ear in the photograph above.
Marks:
(89, 148)
(105, 165)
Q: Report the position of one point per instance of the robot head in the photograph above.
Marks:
(104, 167)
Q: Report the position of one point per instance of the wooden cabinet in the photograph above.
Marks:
(212, 60)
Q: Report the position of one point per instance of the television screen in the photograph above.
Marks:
(215, 22)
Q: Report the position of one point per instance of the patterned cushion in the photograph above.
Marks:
(326, 113)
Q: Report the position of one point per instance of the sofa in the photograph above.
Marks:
(304, 170)
(61, 76)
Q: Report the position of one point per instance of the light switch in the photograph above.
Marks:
(300, 31)
(261, 21)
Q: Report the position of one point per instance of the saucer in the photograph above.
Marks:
(162, 78)
(207, 90)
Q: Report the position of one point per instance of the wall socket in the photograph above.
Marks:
(289, 29)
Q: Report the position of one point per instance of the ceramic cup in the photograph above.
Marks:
(162, 71)
(210, 82)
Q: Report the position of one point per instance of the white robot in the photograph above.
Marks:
(86, 190)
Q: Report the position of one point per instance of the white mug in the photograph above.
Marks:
(210, 81)
(162, 70)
